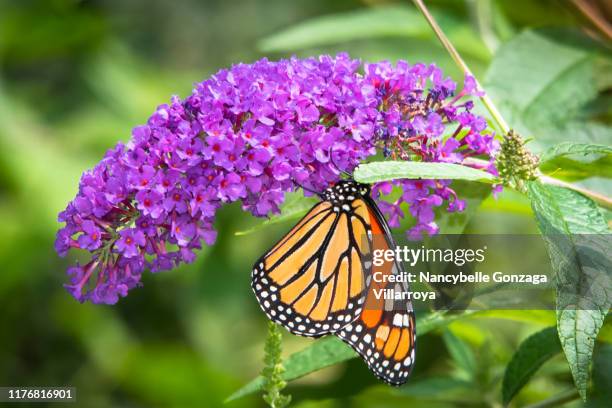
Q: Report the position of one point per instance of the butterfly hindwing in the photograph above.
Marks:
(384, 334)
(385, 340)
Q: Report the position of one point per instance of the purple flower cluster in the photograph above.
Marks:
(251, 134)
(416, 118)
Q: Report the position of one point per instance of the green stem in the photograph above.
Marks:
(600, 199)
(595, 17)
(488, 103)
(273, 369)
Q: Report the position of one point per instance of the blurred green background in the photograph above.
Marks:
(76, 76)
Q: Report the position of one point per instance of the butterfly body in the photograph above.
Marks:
(317, 281)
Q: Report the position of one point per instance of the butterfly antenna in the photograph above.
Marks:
(344, 173)
(318, 194)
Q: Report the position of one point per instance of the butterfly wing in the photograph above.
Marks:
(312, 281)
(384, 334)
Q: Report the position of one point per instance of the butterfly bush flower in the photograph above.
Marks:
(251, 134)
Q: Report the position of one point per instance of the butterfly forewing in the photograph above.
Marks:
(312, 280)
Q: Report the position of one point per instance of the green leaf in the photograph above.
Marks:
(573, 170)
(571, 148)
(386, 22)
(294, 207)
(574, 228)
(531, 354)
(460, 352)
(331, 350)
(391, 170)
(569, 160)
(336, 28)
(549, 101)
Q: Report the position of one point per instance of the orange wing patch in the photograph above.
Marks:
(342, 289)
(292, 291)
(317, 212)
(306, 302)
(338, 244)
(293, 257)
(322, 309)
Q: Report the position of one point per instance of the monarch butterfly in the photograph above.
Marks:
(317, 280)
